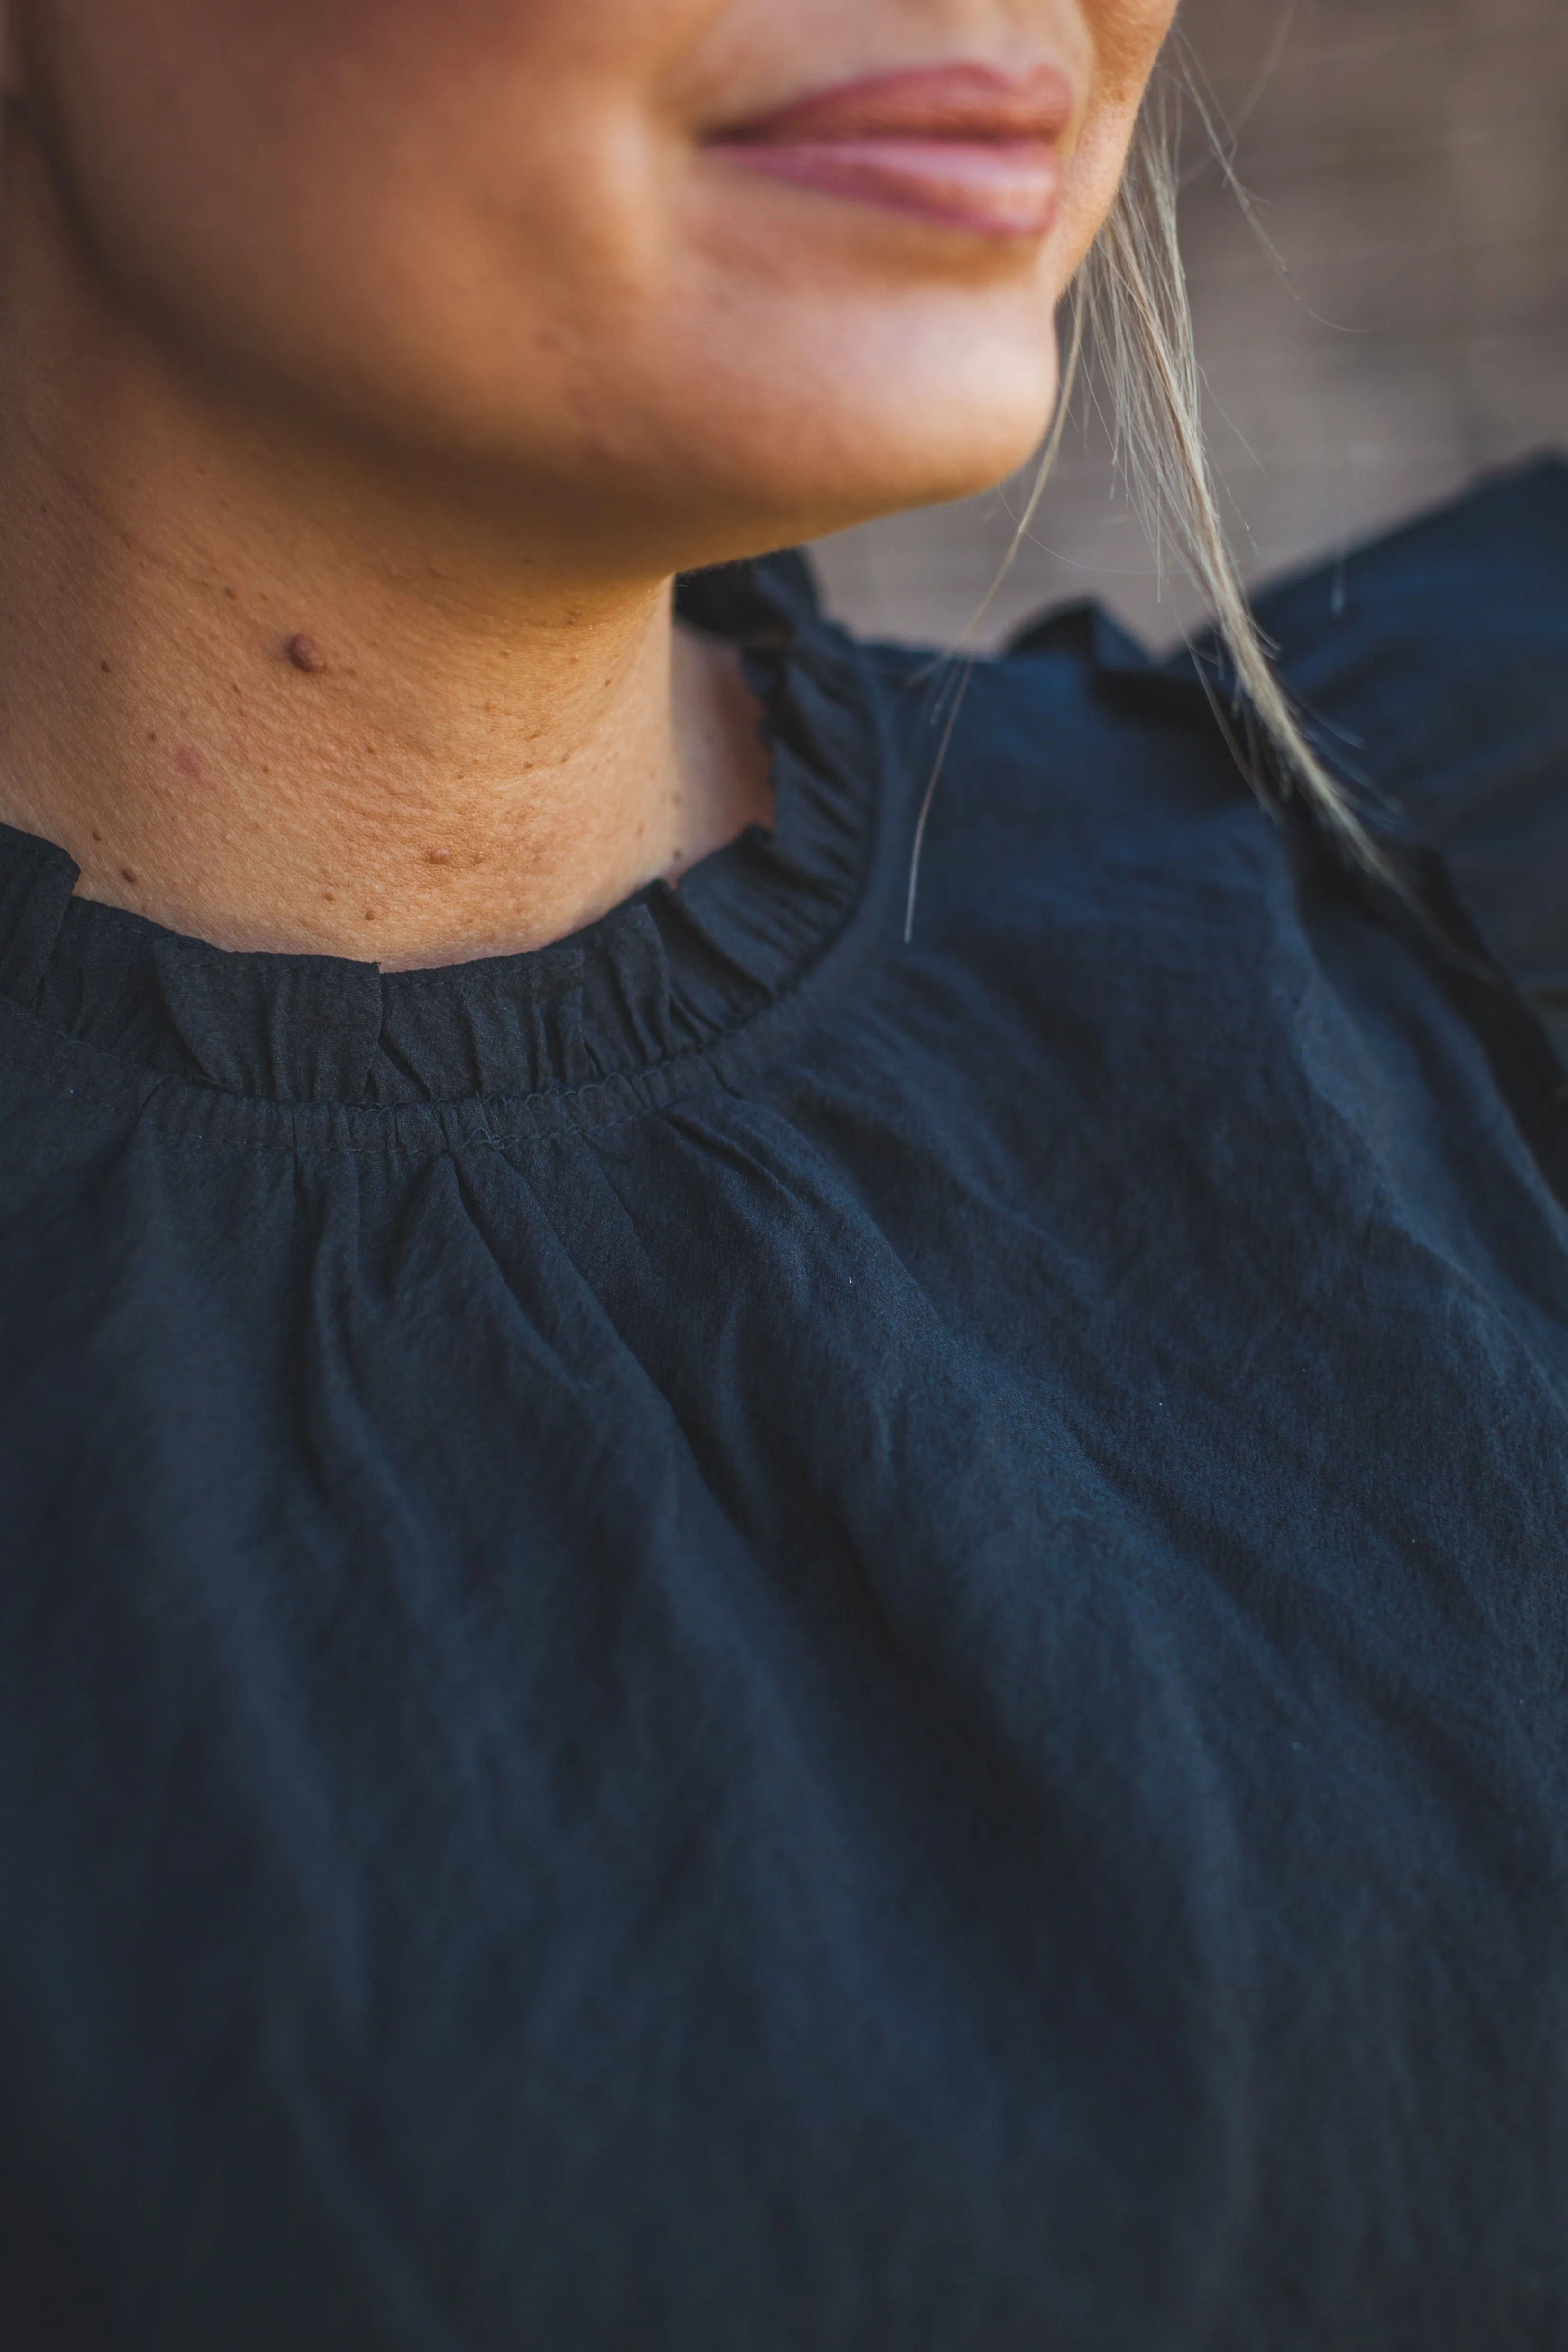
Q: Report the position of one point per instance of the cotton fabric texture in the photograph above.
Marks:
(740, 1638)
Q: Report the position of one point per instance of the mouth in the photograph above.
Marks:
(970, 147)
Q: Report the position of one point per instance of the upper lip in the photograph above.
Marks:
(968, 103)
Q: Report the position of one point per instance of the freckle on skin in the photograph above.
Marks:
(306, 654)
(104, 667)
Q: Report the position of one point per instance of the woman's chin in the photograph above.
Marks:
(802, 469)
(894, 482)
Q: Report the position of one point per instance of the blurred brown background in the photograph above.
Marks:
(1409, 160)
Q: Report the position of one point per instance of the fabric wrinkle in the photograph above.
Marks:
(727, 1639)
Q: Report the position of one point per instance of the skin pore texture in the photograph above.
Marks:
(368, 368)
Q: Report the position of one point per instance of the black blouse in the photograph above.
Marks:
(743, 1638)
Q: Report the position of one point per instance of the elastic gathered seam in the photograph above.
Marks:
(498, 1120)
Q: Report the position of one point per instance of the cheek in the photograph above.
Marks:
(278, 179)
(195, 100)
(1126, 36)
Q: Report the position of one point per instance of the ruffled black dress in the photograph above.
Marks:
(741, 1638)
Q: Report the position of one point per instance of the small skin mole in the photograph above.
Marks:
(438, 856)
(306, 654)
(126, 875)
(95, 834)
(232, 595)
(104, 667)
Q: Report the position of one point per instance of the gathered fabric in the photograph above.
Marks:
(746, 1637)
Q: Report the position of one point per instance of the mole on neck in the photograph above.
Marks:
(279, 706)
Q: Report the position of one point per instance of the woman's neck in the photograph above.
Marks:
(274, 702)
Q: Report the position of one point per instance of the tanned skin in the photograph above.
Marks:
(368, 368)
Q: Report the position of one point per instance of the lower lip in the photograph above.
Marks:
(1006, 189)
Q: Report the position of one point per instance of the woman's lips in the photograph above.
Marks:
(970, 146)
(1002, 190)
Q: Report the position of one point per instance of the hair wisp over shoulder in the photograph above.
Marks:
(1128, 307)
(1131, 299)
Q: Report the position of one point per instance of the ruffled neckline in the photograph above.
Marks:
(617, 1015)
